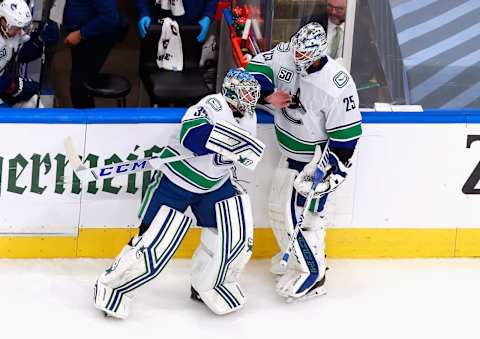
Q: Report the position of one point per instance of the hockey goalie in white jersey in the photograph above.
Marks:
(315, 104)
(219, 131)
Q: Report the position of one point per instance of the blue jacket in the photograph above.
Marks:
(194, 10)
(91, 17)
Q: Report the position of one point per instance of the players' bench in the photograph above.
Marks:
(166, 88)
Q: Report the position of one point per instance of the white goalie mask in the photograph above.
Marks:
(308, 45)
(16, 18)
(241, 90)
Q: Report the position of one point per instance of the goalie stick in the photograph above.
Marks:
(109, 171)
(318, 176)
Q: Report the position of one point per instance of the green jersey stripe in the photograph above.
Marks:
(190, 174)
(344, 126)
(346, 134)
(189, 124)
(263, 69)
(295, 145)
(149, 194)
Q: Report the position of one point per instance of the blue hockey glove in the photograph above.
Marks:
(23, 90)
(204, 25)
(46, 32)
(336, 175)
(50, 33)
(143, 25)
(337, 167)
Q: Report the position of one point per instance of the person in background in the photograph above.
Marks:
(335, 28)
(333, 22)
(93, 27)
(199, 12)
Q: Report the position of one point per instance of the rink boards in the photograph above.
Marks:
(413, 191)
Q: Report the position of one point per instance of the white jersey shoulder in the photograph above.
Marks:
(283, 67)
(216, 106)
(333, 80)
(213, 107)
(280, 61)
(332, 94)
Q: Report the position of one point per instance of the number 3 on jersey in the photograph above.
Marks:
(349, 103)
(200, 112)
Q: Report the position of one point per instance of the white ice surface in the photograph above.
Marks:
(366, 299)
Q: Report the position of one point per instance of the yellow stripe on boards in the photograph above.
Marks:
(340, 242)
(468, 242)
(103, 242)
(38, 247)
(390, 243)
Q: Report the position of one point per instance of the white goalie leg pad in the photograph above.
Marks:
(138, 264)
(306, 275)
(235, 144)
(279, 213)
(223, 254)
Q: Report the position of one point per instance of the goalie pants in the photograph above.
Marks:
(298, 199)
(162, 191)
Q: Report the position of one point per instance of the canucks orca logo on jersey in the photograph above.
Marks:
(295, 104)
(340, 79)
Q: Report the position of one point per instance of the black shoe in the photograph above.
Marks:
(195, 295)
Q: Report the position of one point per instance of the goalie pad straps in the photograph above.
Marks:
(223, 254)
(309, 249)
(309, 257)
(235, 144)
(138, 264)
(279, 212)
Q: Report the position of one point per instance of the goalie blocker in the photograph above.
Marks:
(235, 144)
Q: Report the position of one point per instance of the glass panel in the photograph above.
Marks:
(290, 15)
(439, 44)
(409, 54)
(367, 68)
(254, 10)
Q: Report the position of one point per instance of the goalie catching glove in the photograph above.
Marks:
(336, 172)
(235, 144)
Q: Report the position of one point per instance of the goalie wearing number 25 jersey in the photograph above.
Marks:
(314, 102)
(217, 133)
